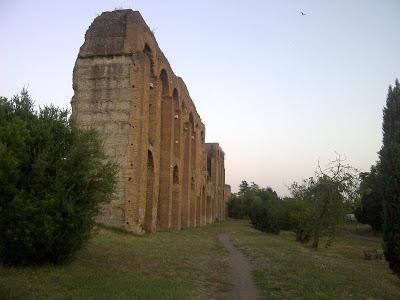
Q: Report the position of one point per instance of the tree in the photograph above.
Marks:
(243, 187)
(296, 216)
(261, 205)
(327, 195)
(236, 207)
(390, 170)
(370, 208)
(239, 205)
(53, 176)
(265, 210)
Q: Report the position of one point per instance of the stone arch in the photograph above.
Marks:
(204, 205)
(175, 175)
(191, 121)
(164, 83)
(166, 135)
(149, 193)
(193, 163)
(186, 177)
(177, 124)
(209, 165)
(175, 99)
(176, 199)
(149, 53)
(193, 201)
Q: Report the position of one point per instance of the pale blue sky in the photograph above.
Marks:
(279, 91)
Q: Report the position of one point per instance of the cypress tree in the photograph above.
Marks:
(390, 179)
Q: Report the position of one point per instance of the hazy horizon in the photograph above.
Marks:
(277, 89)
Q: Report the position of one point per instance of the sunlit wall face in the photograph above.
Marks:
(278, 90)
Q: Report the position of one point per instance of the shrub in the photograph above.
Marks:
(294, 213)
(265, 215)
(237, 208)
(53, 176)
(265, 211)
(239, 205)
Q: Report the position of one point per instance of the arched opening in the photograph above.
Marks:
(175, 98)
(176, 200)
(147, 51)
(165, 192)
(149, 193)
(191, 122)
(185, 197)
(193, 206)
(209, 167)
(164, 83)
(176, 175)
(193, 202)
(209, 209)
(177, 124)
(204, 206)
(194, 161)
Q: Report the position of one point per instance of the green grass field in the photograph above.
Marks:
(191, 264)
(116, 265)
(286, 269)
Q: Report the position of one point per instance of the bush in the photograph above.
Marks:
(294, 213)
(260, 205)
(239, 205)
(265, 215)
(268, 213)
(237, 208)
(53, 176)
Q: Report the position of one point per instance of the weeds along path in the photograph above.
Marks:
(243, 285)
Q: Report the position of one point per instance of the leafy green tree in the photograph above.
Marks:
(265, 210)
(390, 170)
(326, 197)
(370, 207)
(243, 187)
(261, 205)
(237, 208)
(53, 176)
(239, 205)
(294, 214)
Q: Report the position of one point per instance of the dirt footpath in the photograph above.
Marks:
(243, 285)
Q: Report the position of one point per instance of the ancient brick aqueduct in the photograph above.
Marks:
(124, 87)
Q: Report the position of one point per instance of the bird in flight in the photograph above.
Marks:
(303, 14)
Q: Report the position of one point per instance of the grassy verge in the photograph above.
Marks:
(285, 269)
(191, 264)
(187, 264)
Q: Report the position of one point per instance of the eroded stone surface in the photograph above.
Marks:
(124, 87)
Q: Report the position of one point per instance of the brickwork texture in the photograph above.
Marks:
(124, 87)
